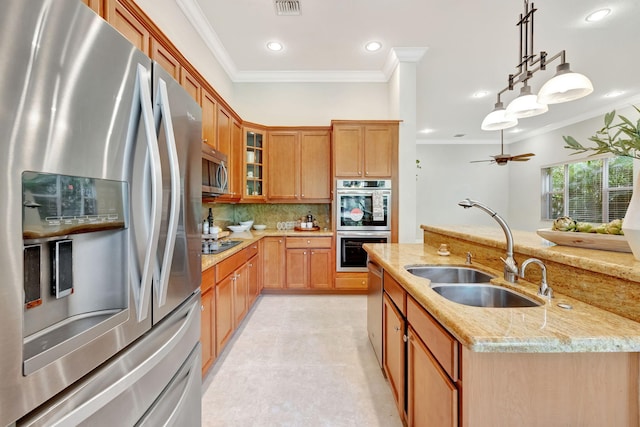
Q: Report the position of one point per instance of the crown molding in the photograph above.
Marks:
(202, 26)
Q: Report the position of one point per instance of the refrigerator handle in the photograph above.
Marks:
(142, 101)
(162, 112)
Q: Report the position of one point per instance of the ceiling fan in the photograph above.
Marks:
(502, 158)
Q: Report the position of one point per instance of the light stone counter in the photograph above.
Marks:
(249, 237)
(544, 329)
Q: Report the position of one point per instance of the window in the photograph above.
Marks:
(596, 190)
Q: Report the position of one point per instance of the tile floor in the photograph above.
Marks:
(299, 360)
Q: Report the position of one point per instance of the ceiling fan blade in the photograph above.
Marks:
(481, 161)
(520, 159)
(522, 156)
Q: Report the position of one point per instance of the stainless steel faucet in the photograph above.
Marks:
(510, 265)
(544, 289)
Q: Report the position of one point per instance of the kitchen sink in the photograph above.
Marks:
(449, 274)
(483, 295)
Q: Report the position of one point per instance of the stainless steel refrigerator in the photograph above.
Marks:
(101, 204)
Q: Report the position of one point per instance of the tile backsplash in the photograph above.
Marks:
(267, 214)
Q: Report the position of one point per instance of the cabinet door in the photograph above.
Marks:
(224, 131)
(166, 59)
(206, 329)
(224, 312)
(432, 399)
(129, 26)
(297, 269)
(283, 166)
(240, 294)
(273, 263)
(209, 113)
(236, 160)
(393, 349)
(253, 279)
(190, 84)
(320, 268)
(96, 5)
(315, 165)
(347, 151)
(378, 151)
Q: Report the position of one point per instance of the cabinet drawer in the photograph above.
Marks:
(229, 265)
(441, 344)
(208, 279)
(251, 250)
(308, 242)
(396, 292)
(355, 283)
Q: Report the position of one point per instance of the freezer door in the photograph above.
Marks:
(155, 382)
(179, 127)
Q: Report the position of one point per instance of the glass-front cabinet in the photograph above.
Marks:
(254, 164)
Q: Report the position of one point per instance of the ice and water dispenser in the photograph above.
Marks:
(75, 259)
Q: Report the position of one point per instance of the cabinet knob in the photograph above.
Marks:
(304, 253)
(202, 308)
(405, 338)
(302, 195)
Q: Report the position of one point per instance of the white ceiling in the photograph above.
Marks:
(470, 46)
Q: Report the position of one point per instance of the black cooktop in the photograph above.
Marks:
(219, 246)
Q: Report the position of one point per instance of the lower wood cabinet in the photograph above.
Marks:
(224, 312)
(432, 398)
(393, 350)
(273, 263)
(254, 279)
(207, 330)
(309, 262)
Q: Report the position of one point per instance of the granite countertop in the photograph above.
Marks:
(618, 264)
(249, 237)
(544, 329)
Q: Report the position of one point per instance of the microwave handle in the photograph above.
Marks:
(222, 176)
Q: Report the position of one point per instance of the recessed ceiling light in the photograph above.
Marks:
(274, 46)
(480, 94)
(426, 130)
(515, 130)
(613, 94)
(598, 15)
(373, 46)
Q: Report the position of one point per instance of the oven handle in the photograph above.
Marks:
(363, 234)
(362, 192)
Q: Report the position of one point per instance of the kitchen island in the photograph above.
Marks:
(542, 365)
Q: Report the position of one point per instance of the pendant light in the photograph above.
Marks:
(526, 104)
(564, 86)
(498, 119)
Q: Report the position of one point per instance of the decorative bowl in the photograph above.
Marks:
(260, 226)
(237, 228)
(247, 224)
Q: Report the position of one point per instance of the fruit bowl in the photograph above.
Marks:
(247, 224)
(260, 226)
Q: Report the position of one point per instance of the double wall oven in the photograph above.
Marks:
(363, 215)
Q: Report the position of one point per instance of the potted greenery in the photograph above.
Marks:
(620, 139)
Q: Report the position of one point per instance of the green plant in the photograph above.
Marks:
(621, 139)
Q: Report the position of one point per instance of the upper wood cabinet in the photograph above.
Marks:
(254, 166)
(365, 150)
(166, 59)
(209, 115)
(190, 84)
(96, 5)
(129, 26)
(299, 165)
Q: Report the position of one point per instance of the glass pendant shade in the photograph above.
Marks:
(564, 86)
(526, 105)
(498, 119)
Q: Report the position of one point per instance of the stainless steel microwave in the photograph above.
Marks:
(215, 175)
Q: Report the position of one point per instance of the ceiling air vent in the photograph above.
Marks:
(287, 7)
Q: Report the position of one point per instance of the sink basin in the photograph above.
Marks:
(483, 295)
(449, 274)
